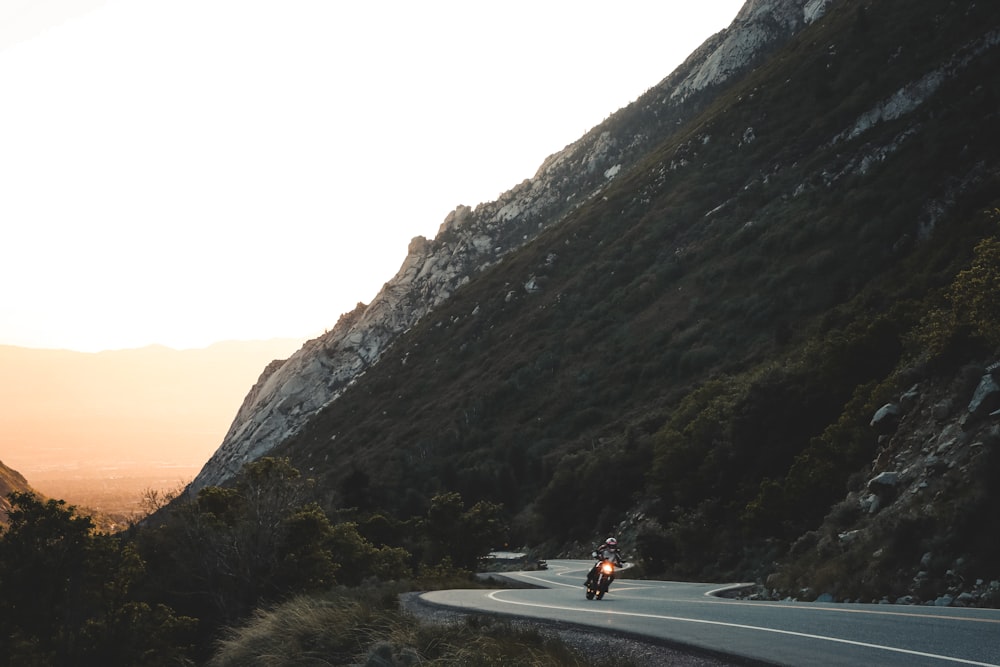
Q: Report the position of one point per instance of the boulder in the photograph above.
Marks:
(985, 400)
(886, 419)
(884, 484)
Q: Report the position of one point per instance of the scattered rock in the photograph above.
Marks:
(984, 401)
(942, 410)
(883, 482)
(909, 400)
(886, 418)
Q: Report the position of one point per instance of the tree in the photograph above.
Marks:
(459, 535)
(66, 594)
(234, 547)
(307, 561)
(260, 541)
(974, 292)
(484, 529)
(969, 313)
(43, 555)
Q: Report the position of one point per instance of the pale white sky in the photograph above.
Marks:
(188, 171)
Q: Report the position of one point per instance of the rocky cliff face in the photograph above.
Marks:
(11, 481)
(288, 393)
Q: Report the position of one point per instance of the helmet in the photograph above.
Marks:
(611, 542)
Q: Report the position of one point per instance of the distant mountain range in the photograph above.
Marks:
(93, 415)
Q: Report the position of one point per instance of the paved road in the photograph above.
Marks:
(782, 633)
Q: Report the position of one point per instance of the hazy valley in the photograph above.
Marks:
(98, 429)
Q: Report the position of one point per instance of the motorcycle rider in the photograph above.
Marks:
(607, 551)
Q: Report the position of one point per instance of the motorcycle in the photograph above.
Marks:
(597, 585)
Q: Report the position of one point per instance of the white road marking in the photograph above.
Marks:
(494, 595)
(637, 584)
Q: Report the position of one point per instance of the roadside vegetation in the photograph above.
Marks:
(250, 575)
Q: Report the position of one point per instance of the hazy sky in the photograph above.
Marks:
(188, 171)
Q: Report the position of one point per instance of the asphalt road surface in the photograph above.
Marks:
(781, 633)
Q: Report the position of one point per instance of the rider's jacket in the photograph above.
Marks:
(604, 552)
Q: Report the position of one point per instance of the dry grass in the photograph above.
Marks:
(365, 627)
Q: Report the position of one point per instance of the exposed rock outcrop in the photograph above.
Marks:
(759, 26)
(11, 481)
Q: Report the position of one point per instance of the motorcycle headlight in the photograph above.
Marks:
(608, 568)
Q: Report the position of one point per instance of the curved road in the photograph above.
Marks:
(780, 633)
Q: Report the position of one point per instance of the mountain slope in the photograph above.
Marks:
(470, 241)
(693, 352)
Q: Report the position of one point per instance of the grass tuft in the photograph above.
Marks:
(365, 626)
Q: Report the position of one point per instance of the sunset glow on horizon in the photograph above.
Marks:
(190, 172)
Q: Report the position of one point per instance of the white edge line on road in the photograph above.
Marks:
(714, 598)
(493, 595)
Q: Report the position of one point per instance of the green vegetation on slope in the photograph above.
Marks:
(714, 331)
